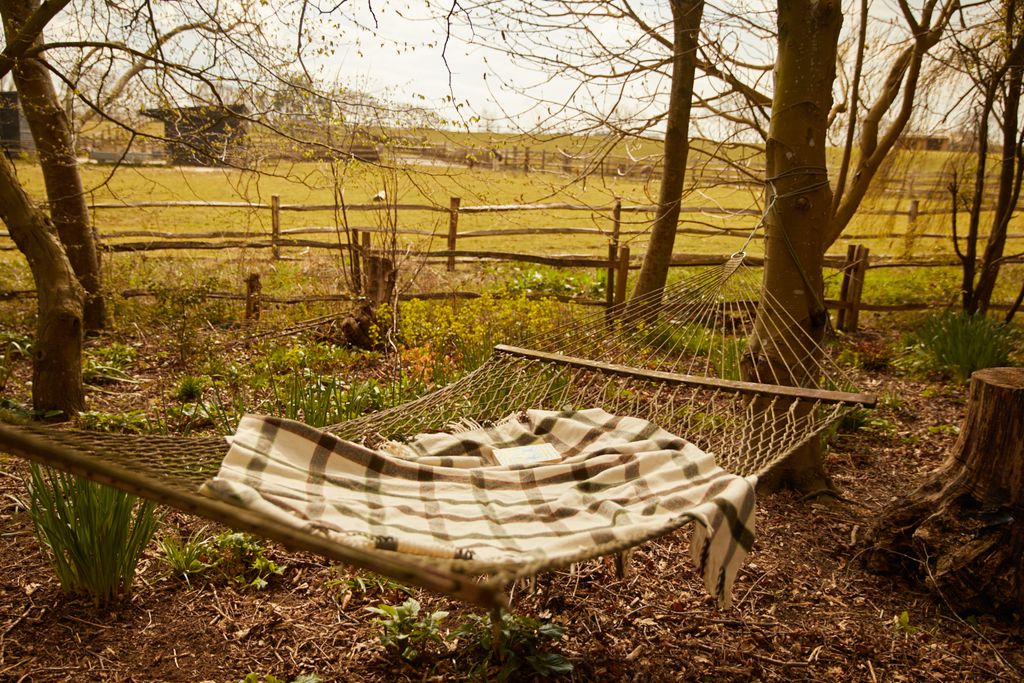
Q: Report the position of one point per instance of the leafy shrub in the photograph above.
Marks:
(183, 308)
(866, 355)
(364, 584)
(93, 534)
(16, 412)
(271, 678)
(321, 401)
(520, 647)
(462, 334)
(108, 363)
(554, 281)
(404, 631)
(128, 422)
(189, 557)
(190, 388)
(12, 347)
(242, 558)
(953, 345)
(319, 357)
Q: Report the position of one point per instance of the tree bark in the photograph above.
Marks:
(57, 350)
(1009, 174)
(800, 205)
(962, 531)
(55, 145)
(686, 18)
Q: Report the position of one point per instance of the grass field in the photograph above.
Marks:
(305, 183)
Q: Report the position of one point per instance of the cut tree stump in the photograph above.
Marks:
(962, 530)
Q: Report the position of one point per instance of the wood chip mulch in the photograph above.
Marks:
(805, 608)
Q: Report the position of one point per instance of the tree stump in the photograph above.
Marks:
(962, 530)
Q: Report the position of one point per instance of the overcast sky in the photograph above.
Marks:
(399, 49)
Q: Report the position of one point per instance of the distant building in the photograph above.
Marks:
(15, 136)
(925, 143)
(204, 135)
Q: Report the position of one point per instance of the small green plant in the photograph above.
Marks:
(902, 624)
(128, 422)
(17, 413)
(866, 355)
(320, 401)
(93, 534)
(946, 429)
(892, 401)
(189, 557)
(184, 309)
(954, 345)
(190, 388)
(404, 631)
(12, 348)
(554, 281)
(520, 648)
(367, 583)
(864, 420)
(108, 363)
(271, 678)
(242, 558)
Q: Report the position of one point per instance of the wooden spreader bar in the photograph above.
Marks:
(825, 396)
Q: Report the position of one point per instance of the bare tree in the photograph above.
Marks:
(52, 132)
(731, 95)
(799, 203)
(56, 369)
(686, 17)
(992, 55)
(882, 126)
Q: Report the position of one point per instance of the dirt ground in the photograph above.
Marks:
(805, 607)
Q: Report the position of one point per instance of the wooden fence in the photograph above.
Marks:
(355, 244)
(109, 146)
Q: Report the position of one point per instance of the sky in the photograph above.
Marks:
(400, 49)
(396, 49)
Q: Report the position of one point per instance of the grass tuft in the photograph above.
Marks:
(93, 534)
(953, 345)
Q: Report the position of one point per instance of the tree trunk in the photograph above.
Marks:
(962, 531)
(686, 18)
(57, 350)
(55, 145)
(799, 209)
(1009, 180)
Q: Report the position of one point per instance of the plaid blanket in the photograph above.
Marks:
(619, 481)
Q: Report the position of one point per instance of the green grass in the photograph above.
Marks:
(94, 535)
(322, 272)
(309, 182)
(953, 345)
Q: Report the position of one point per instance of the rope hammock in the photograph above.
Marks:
(676, 362)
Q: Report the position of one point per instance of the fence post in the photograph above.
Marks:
(609, 287)
(613, 253)
(852, 287)
(252, 297)
(453, 229)
(543, 159)
(622, 276)
(357, 269)
(526, 160)
(914, 210)
(275, 225)
(860, 269)
(910, 235)
(844, 288)
(365, 248)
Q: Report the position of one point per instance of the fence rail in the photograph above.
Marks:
(354, 243)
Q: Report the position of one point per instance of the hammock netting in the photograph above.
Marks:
(679, 359)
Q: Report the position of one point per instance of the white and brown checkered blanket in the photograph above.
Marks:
(620, 481)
